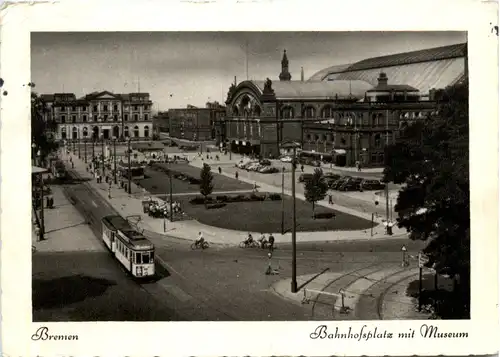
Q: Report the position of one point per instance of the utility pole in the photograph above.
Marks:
(79, 154)
(171, 198)
(129, 189)
(102, 147)
(85, 148)
(283, 201)
(114, 159)
(387, 183)
(42, 219)
(294, 227)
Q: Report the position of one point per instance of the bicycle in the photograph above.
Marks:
(197, 245)
(253, 244)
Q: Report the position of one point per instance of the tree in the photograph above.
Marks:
(41, 128)
(206, 178)
(431, 160)
(315, 188)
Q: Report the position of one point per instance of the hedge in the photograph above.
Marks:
(199, 200)
(324, 215)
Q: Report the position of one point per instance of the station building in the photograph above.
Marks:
(100, 115)
(345, 114)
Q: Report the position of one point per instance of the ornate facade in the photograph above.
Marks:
(341, 120)
(100, 115)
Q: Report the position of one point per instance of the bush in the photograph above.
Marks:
(254, 197)
(216, 205)
(324, 215)
(222, 198)
(200, 200)
(275, 197)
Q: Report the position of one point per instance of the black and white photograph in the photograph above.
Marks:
(236, 176)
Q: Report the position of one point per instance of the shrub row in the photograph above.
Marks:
(178, 175)
(199, 200)
(324, 215)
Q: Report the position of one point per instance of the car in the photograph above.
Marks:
(371, 185)
(353, 184)
(286, 159)
(268, 170)
(305, 177)
(340, 182)
(247, 164)
(252, 166)
(265, 162)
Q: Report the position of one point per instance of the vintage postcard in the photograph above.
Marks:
(205, 179)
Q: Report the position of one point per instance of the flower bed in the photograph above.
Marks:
(200, 200)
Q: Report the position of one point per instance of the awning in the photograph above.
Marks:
(38, 170)
(340, 151)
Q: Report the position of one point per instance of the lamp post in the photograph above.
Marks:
(129, 173)
(85, 148)
(73, 142)
(171, 198)
(114, 159)
(387, 183)
(79, 152)
(33, 154)
(352, 120)
(93, 149)
(294, 146)
(283, 200)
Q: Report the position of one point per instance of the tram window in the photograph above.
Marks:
(138, 258)
(152, 256)
(145, 258)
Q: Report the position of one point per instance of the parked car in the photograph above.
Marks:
(252, 167)
(268, 170)
(305, 177)
(370, 185)
(340, 182)
(265, 162)
(286, 159)
(352, 184)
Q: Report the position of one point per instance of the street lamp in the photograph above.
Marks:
(102, 150)
(85, 148)
(114, 159)
(79, 153)
(33, 153)
(294, 146)
(129, 170)
(283, 200)
(93, 149)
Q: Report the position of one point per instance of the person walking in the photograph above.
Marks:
(271, 242)
(330, 199)
(255, 187)
(220, 170)
(236, 175)
(302, 168)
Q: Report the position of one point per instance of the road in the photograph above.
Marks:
(218, 284)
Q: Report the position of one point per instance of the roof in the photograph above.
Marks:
(320, 75)
(427, 55)
(393, 87)
(318, 89)
(117, 222)
(47, 97)
(423, 76)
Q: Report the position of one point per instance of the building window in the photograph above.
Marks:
(125, 117)
(75, 133)
(73, 109)
(146, 117)
(115, 108)
(105, 108)
(73, 118)
(235, 111)
(84, 118)
(84, 108)
(343, 141)
(136, 117)
(85, 132)
(63, 119)
(105, 117)
(377, 140)
(115, 117)
(146, 131)
(63, 108)
(287, 113)
(94, 108)
(309, 112)
(136, 107)
(136, 131)
(125, 131)
(374, 119)
(327, 112)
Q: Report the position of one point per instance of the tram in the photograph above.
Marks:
(128, 246)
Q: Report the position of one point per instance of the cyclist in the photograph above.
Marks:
(271, 242)
(262, 240)
(249, 240)
(200, 239)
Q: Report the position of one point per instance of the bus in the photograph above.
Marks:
(131, 248)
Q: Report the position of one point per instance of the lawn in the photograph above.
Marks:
(157, 182)
(265, 216)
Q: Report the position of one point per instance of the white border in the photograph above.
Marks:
(216, 339)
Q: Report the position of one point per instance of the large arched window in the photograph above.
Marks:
(287, 113)
(63, 132)
(236, 112)
(257, 111)
(85, 132)
(146, 131)
(136, 131)
(125, 132)
(327, 112)
(116, 131)
(245, 108)
(74, 134)
(309, 112)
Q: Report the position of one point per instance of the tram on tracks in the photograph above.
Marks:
(129, 247)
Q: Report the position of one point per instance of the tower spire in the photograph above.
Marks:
(285, 74)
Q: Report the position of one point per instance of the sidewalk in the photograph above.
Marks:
(131, 205)
(65, 228)
(369, 293)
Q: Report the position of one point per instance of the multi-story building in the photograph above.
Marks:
(100, 115)
(344, 117)
(195, 124)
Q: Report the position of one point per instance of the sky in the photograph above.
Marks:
(181, 68)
